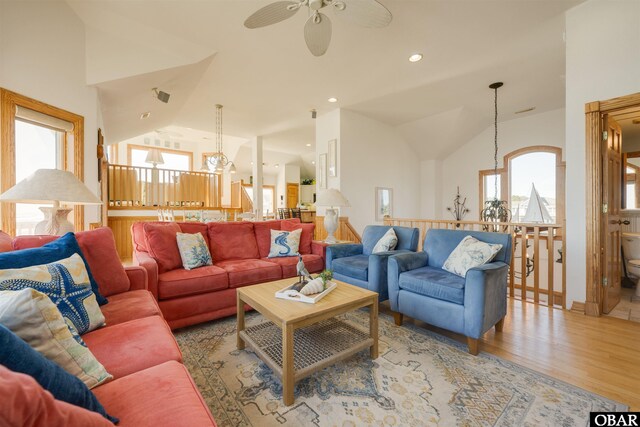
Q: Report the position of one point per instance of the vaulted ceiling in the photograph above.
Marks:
(200, 52)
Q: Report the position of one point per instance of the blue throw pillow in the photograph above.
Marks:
(16, 355)
(60, 248)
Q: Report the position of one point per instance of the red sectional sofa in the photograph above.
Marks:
(239, 251)
(151, 386)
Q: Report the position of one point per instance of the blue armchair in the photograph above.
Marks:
(471, 305)
(355, 264)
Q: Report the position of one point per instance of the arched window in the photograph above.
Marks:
(534, 189)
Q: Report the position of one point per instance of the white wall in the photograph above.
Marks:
(374, 154)
(431, 189)
(327, 128)
(601, 64)
(288, 173)
(42, 56)
(461, 167)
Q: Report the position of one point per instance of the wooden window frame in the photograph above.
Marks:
(505, 177)
(131, 147)
(272, 187)
(9, 101)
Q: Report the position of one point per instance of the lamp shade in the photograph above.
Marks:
(50, 185)
(154, 156)
(332, 197)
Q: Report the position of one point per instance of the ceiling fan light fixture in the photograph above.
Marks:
(416, 57)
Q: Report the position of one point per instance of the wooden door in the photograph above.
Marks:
(293, 197)
(612, 202)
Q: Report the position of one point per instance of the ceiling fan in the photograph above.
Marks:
(317, 30)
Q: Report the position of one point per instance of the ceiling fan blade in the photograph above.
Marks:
(366, 13)
(272, 14)
(317, 33)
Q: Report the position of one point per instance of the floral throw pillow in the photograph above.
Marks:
(386, 243)
(470, 253)
(284, 243)
(67, 283)
(193, 250)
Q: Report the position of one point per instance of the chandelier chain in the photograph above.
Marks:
(495, 143)
(219, 128)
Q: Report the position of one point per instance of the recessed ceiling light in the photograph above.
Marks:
(277, 165)
(308, 145)
(145, 115)
(415, 57)
(332, 99)
(313, 162)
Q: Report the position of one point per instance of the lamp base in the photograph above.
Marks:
(55, 221)
(331, 225)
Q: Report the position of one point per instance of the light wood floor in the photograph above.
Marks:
(600, 354)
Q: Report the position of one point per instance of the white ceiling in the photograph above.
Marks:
(200, 52)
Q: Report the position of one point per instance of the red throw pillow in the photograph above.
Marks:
(232, 240)
(99, 249)
(162, 245)
(263, 235)
(307, 233)
(25, 402)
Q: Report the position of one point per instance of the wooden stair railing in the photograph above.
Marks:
(345, 232)
(246, 202)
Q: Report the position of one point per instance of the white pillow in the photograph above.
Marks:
(193, 250)
(32, 316)
(470, 253)
(386, 243)
(284, 243)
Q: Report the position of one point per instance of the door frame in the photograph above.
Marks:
(594, 181)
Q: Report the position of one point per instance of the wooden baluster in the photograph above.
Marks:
(536, 264)
(550, 261)
(523, 263)
(564, 264)
(512, 264)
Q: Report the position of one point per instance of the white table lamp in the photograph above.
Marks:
(331, 198)
(55, 186)
(154, 156)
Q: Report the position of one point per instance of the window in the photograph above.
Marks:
(173, 159)
(268, 198)
(535, 185)
(49, 144)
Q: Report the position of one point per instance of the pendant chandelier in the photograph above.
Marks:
(495, 210)
(218, 161)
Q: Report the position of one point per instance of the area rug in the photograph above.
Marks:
(420, 379)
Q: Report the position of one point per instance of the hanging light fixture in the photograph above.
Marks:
(495, 210)
(217, 160)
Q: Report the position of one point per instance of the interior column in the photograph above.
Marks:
(256, 155)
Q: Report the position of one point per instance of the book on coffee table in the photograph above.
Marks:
(290, 294)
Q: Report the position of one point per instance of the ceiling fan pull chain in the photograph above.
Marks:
(316, 17)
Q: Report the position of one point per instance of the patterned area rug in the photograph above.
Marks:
(420, 379)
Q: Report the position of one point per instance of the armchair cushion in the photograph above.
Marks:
(341, 251)
(356, 266)
(435, 283)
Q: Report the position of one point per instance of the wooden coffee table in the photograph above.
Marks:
(301, 338)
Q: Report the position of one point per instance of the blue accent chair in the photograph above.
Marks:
(471, 305)
(355, 264)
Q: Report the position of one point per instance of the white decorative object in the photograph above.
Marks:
(55, 186)
(154, 156)
(331, 198)
(470, 253)
(288, 293)
(284, 243)
(333, 157)
(315, 286)
(322, 171)
(386, 243)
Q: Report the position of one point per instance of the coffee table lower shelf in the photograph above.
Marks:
(315, 347)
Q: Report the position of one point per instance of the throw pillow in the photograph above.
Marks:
(35, 318)
(284, 243)
(307, 233)
(60, 248)
(66, 282)
(25, 403)
(386, 243)
(16, 355)
(162, 246)
(470, 253)
(193, 250)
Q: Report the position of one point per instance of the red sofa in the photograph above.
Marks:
(151, 386)
(239, 251)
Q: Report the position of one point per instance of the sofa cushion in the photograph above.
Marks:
(31, 251)
(307, 233)
(284, 243)
(158, 396)
(66, 282)
(130, 306)
(262, 230)
(16, 355)
(133, 346)
(250, 271)
(99, 249)
(181, 282)
(313, 264)
(356, 266)
(162, 244)
(33, 317)
(232, 240)
(137, 235)
(25, 403)
(435, 283)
